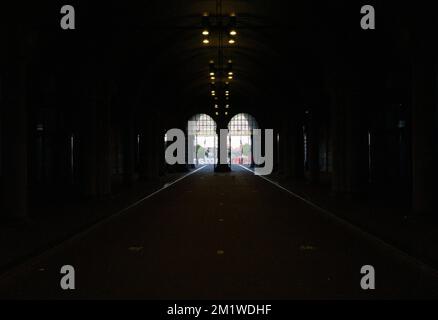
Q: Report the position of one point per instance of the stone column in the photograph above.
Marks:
(252, 165)
(297, 148)
(190, 141)
(350, 149)
(277, 149)
(130, 146)
(225, 167)
(313, 145)
(286, 154)
(14, 177)
(152, 148)
(95, 139)
(424, 136)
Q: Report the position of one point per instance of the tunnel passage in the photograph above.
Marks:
(83, 112)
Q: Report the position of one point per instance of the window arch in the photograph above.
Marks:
(202, 124)
(240, 142)
(202, 136)
(242, 124)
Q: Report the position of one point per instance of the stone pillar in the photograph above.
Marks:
(221, 124)
(130, 146)
(14, 177)
(95, 143)
(190, 141)
(297, 148)
(424, 136)
(277, 149)
(252, 165)
(313, 146)
(143, 153)
(161, 152)
(286, 160)
(380, 144)
(151, 139)
(279, 146)
(1, 132)
(179, 167)
(350, 149)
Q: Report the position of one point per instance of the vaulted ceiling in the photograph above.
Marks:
(153, 52)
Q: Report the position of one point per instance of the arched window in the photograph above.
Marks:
(203, 135)
(240, 141)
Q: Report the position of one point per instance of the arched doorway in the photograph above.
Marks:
(202, 136)
(240, 139)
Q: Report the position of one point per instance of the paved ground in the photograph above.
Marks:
(221, 236)
(55, 218)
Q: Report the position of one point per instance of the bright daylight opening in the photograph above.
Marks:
(203, 137)
(240, 139)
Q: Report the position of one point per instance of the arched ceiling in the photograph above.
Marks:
(274, 38)
(153, 51)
